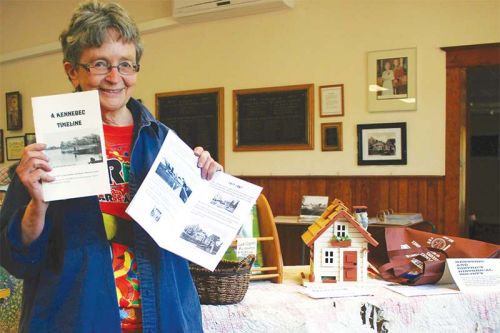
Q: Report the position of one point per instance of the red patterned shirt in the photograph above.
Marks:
(118, 226)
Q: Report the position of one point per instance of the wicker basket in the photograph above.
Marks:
(227, 284)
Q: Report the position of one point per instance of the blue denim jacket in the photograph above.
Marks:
(68, 277)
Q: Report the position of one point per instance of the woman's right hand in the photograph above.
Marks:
(32, 170)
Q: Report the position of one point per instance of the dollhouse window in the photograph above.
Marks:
(341, 230)
(328, 257)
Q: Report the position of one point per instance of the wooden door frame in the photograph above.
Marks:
(458, 59)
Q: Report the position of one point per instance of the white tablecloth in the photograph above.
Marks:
(269, 307)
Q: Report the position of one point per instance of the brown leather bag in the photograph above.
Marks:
(410, 256)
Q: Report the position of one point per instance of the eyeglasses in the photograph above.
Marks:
(101, 67)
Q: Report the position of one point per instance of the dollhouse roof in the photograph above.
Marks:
(333, 213)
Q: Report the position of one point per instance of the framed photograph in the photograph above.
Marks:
(197, 116)
(274, 118)
(392, 80)
(382, 144)
(331, 100)
(14, 147)
(14, 111)
(29, 138)
(331, 137)
(1, 146)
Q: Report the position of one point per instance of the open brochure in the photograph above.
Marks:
(187, 215)
(71, 127)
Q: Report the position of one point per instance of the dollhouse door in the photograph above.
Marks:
(350, 266)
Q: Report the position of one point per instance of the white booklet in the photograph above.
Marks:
(71, 126)
(187, 215)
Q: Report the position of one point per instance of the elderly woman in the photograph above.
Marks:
(87, 267)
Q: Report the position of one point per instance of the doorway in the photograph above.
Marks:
(483, 159)
(459, 60)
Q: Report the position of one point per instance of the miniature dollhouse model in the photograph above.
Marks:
(338, 246)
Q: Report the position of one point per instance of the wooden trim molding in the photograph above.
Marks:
(472, 55)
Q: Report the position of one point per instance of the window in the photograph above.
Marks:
(341, 230)
(328, 257)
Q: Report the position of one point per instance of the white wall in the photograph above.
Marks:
(320, 41)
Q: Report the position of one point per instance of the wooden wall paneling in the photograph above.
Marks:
(413, 195)
(345, 193)
(432, 213)
(381, 198)
(403, 195)
(422, 197)
(393, 194)
(440, 207)
(424, 194)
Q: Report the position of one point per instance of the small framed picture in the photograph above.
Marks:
(382, 144)
(14, 147)
(1, 146)
(392, 80)
(14, 111)
(331, 100)
(331, 137)
(29, 138)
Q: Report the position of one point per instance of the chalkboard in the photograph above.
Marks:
(197, 116)
(276, 118)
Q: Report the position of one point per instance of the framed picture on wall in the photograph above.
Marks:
(29, 138)
(382, 144)
(331, 100)
(1, 146)
(14, 147)
(197, 116)
(273, 118)
(392, 80)
(14, 111)
(331, 137)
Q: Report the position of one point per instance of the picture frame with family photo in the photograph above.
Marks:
(392, 80)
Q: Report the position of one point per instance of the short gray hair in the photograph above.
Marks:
(90, 25)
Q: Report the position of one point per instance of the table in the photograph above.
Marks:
(269, 307)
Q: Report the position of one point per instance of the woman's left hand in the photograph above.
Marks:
(206, 163)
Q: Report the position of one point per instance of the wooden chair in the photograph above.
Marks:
(272, 267)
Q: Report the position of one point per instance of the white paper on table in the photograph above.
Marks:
(423, 290)
(71, 126)
(475, 274)
(187, 215)
(334, 290)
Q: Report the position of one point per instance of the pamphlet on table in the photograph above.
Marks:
(71, 127)
(335, 290)
(475, 274)
(187, 215)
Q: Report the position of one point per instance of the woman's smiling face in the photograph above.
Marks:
(114, 88)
